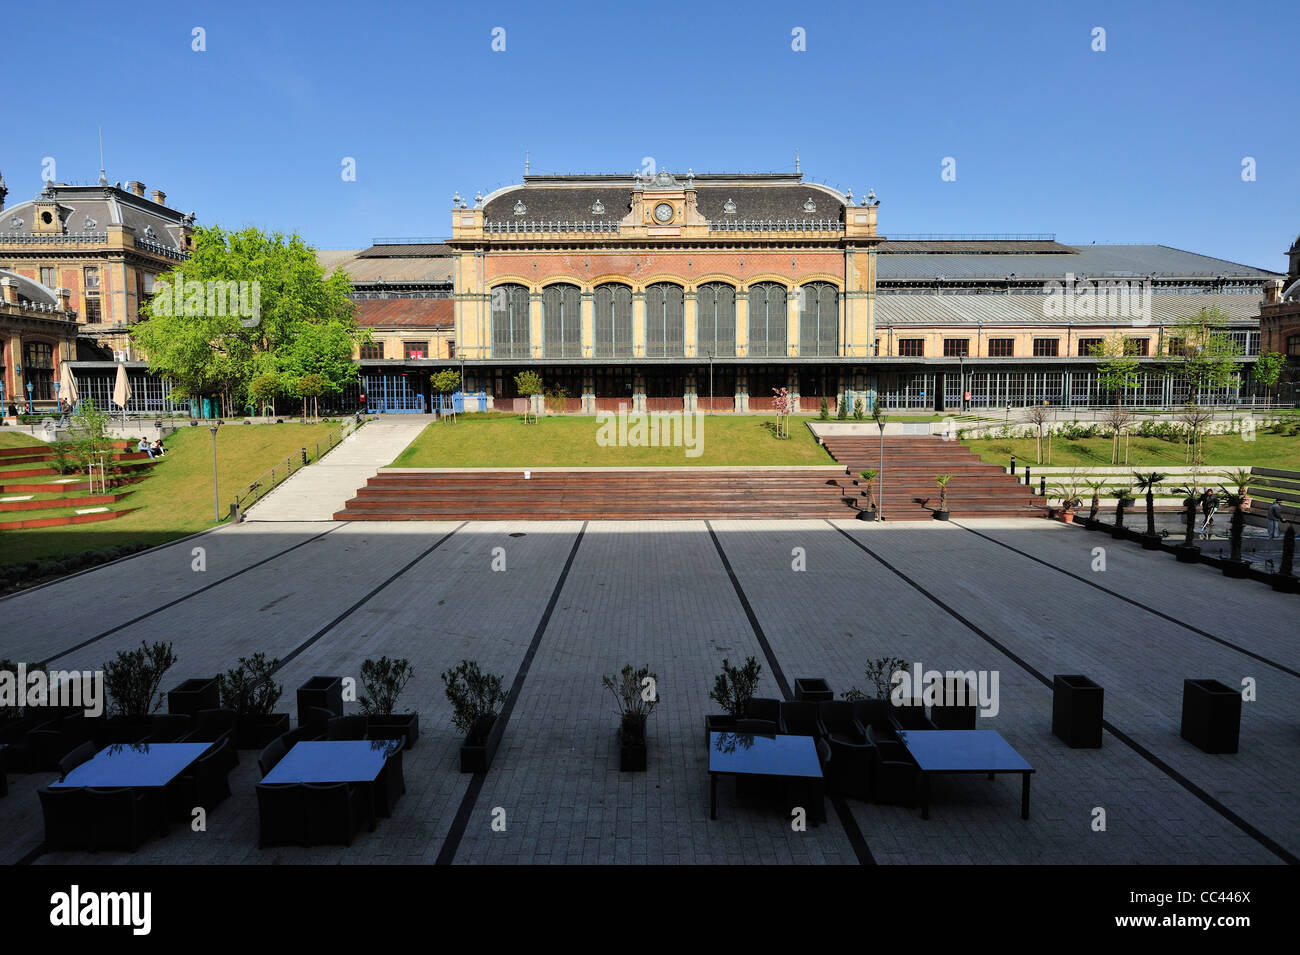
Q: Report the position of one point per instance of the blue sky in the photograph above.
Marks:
(1141, 143)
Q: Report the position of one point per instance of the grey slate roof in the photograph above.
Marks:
(1095, 261)
(30, 291)
(102, 205)
(1013, 309)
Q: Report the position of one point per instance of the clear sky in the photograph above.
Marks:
(1141, 143)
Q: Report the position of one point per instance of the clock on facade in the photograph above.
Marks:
(664, 212)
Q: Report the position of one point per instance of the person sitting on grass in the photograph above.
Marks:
(144, 446)
(158, 450)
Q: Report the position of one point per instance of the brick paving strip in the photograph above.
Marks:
(447, 854)
(851, 828)
(1129, 600)
(1254, 833)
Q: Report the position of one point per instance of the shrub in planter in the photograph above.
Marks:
(475, 698)
(733, 688)
(637, 693)
(132, 682)
(194, 695)
(382, 682)
(941, 480)
(1234, 566)
(1148, 482)
(869, 491)
(249, 690)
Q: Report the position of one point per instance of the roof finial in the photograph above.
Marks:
(525, 162)
(796, 160)
(103, 179)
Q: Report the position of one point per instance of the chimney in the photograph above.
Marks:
(10, 290)
(160, 197)
(1272, 291)
(137, 188)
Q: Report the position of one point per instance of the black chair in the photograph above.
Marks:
(346, 727)
(170, 728)
(67, 822)
(49, 743)
(757, 727)
(851, 767)
(334, 812)
(953, 716)
(799, 718)
(212, 726)
(911, 716)
(390, 785)
(837, 716)
(307, 732)
(203, 784)
(893, 774)
(764, 708)
(282, 820)
(119, 818)
(74, 759)
(273, 753)
(875, 714)
(316, 720)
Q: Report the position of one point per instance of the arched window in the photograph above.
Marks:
(767, 318)
(819, 320)
(510, 326)
(715, 320)
(613, 321)
(561, 321)
(665, 329)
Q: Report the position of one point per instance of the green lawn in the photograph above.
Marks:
(1221, 450)
(176, 498)
(16, 439)
(504, 441)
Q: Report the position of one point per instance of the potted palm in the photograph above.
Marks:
(869, 492)
(637, 693)
(132, 681)
(1068, 491)
(1240, 478)
(382, 682)
(941, 480)
(733, 688)
(1096, 486)
(475, 698)
(248, 689)
(1149, 482)
(1234, 566)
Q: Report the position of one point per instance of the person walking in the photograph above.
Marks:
(1275, 519)
(1208, 504)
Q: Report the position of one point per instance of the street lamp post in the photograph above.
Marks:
(710, 382)
(880, 423)
(29, 398)
(216, 508)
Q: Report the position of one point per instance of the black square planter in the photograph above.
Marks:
(1076, 711)
(192, 696)
(632, 756)
(477, 758)
(1211, 716)
(812, 690)
(323, 691)
(397, 726)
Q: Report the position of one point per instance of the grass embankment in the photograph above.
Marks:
(1220, 450)
(16, 439)
(176, 498)
(504, 441)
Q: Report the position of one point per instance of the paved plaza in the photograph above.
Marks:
(576, 601)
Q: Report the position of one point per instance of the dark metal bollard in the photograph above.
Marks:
(1013, 464)
(1026, 475)
(1042, 487)
(304, 455)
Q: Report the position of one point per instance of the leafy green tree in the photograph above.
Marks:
(322, 350)
(245, 298)
(1209, 356)
(1117, 365)
(310, 388)
(1268, 369)
(446, 381)
(264, 389)
(528, 384)
(89, 430)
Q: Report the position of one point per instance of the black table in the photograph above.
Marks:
(965, 751)
(333, 761)
(134, 766)
(751, 754)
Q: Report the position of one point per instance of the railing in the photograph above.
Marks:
(776, 225)
(34, 238)
(539, 227)
(281, 471)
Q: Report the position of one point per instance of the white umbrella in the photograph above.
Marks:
(67, 384)
(121, 390)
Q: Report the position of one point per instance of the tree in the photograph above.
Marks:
(1194, 418)
(528, 384)
(1118, 368)
(783, 402)
(90, 440)
(1117, 419)
(1208, 357)
(1148, 482)
(320, 350)
(1039, 416)
(243, 299)
(444, 381)
(1268, 370)
(264, 389)
(310, 388)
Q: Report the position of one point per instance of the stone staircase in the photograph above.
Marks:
(34, 494)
